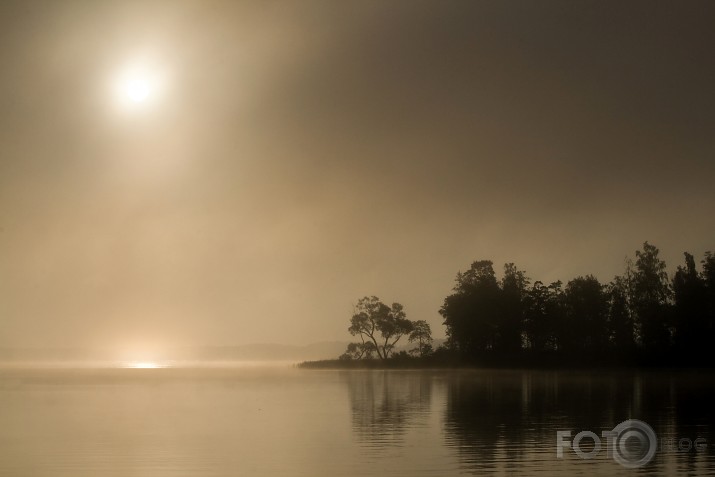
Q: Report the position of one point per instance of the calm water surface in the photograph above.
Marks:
(290, 422)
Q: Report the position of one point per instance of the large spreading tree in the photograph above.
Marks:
(378, 326)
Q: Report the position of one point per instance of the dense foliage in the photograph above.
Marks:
(641, 317)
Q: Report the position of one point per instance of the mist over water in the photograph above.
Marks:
(181, 180)
(278, 420)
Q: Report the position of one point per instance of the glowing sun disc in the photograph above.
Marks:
(138, 85)
(137, 90)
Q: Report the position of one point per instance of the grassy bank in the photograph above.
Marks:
(523, 360)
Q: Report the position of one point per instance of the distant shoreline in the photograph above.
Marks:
(432, 364)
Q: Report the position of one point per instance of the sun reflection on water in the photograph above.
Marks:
(144, 365)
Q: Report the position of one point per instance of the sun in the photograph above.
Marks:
(137, 89)
(138, 85)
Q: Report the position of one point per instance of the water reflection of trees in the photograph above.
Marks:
(503, 420)
(506, 421)
(385, 404)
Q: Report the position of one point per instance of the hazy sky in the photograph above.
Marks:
(292, 157)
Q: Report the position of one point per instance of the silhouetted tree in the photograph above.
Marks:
(422, 334)
(692, 335)
(510, 324)
(650, 300)
(708, 275)
(585, 324)
(470, 313)
(640, 317)
(543, 316)
(364, 349)
(379, 324)
(709, 271)
(620, 320)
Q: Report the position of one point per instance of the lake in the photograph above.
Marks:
(290, 422)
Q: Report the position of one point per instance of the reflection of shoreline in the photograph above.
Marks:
(506, 420)
(385, 403)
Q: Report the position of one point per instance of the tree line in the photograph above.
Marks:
(641, 317)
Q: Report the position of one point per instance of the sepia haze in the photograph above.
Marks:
(301, 155)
